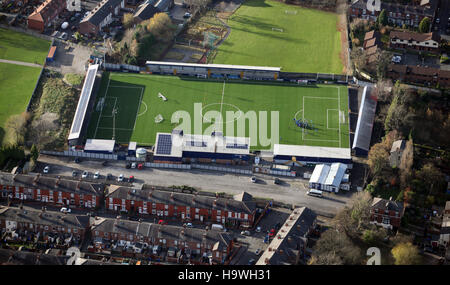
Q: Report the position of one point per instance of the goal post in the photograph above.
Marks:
(277, 30)
(290, 12)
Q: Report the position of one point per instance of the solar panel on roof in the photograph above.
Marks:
(164, 144)
(237, 146)
(197, 143)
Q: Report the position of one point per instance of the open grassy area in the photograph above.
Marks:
(16, 85)
(269, 33)
(135, 98)
(22, 47)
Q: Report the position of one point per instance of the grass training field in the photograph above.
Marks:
(136, 101)
(270, 33)
(22, 47)
(16, 85)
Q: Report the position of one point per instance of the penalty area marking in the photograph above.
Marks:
(328, 119)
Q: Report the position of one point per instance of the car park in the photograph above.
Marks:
(47, 169)
(85, 174)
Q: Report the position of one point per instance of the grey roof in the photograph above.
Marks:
(163, 5)
(12, 257)
(101, 11)
(44, 218)
(428, 7)
(366, 116)
(384, 204)
(146, 11)
(143, 229)
(51, 183)
(245, 206)
(400, 144)
(284, 246)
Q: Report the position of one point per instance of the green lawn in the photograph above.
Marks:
(16, 85)
(309, 41)
(135, 97)
(22, 47)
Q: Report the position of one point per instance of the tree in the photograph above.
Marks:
(127, 20)
(432, 178)
(34, 153)
(359, 58)
(382, 18)
(406, 163)
(16, 126)
(406, 254)
(424, 25)
(77, 36)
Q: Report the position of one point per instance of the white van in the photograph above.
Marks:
(315, 193)
(216, 227)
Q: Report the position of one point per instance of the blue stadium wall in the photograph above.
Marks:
(360, 152)
(312, 159)
(167, 158)
(208, 155)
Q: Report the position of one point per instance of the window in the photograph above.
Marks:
(198, 245)
(153, 212)
(46, 228)
(166, 207)
(132, 202)
(154, 205)
(218, 212)
(71, 195)
(197, 210)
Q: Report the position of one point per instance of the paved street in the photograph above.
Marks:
(293, 190)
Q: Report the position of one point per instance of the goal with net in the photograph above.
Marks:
(290, 12)
(162, 96)
(277, 30)
(159, 118)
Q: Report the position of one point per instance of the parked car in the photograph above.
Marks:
(96, 175)
(65, 210)
(120, 178)
(46, 169)
(245, 233)
(277, 181)
(272, 232)
(258, 229)
(105, 163)
(252, 261)
(131, 179)
(188, 225)
(77, 160)
(128, 165)
(187, 15)
(396, 59)
(109, 176)
(74, 173)
(253, 179)
(162, 222)
(140, 166)
(63, 36)
(85, 174)
(133, 165)
(258, 251)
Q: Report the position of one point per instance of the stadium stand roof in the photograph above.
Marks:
(311, 151)
(320, 174)
(363, 133)
(217, 66)
(173, 145)
(100, 146)
(83, 102)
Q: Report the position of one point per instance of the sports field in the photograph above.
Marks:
(270, 33)
(136, 101)
(22, 47)
(16, 85)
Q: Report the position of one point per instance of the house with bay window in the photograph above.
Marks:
(237, 212)
(386, 213)
(51, 190)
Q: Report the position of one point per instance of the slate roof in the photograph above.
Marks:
(51, 183)
(283, 247)
(46, 11)
(13, 257)
(101, 11)
(168, 232)
(44, 218)
(245, 205)
(426, 9)
(390, 205)
(146, 11)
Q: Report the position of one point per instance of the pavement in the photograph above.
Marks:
(20, 63)
(292, 190)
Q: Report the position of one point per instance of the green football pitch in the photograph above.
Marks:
(271, 33)
(127, 105)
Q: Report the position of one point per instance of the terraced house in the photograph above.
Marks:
(239, 212)
(77, 194)
(45, 14)
(214, 244)
(101, 16)
(398, 14)
(414, 41)
(35, 225)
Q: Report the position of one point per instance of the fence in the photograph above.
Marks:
(167, 165)
(81, 154)
(317, 76)
(132, 158)
(275, 172)
(223, 169)
(121, 67)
